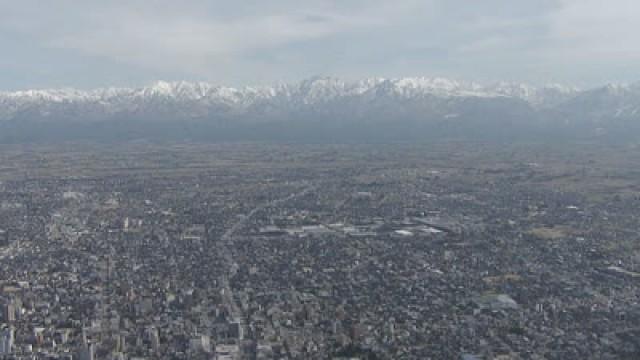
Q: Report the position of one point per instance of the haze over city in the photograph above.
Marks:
(313, 180)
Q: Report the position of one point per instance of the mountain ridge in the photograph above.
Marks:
(321, 106)
(199, 90)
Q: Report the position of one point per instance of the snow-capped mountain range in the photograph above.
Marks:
(424, 101)
(308, 92)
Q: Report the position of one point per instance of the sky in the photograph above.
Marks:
(97, 43)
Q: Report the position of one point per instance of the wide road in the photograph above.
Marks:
(227, 244)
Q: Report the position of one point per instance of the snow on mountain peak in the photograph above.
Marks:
(309, 91)
(201, 98)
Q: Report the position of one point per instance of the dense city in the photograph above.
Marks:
(264, 251)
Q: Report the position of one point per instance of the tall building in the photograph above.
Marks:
(154, 337)
(4, 238)
(6, 341)
(236, 330)
(87, 351)
(9, 313)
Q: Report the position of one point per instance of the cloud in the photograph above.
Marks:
(596, 28)
(191, 36)
(265, 41)
(151, 39)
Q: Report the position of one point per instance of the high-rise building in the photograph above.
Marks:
(236, 330)
(9, 313)
(154, 337)
(87, 351)
(4, 238)
(6, 341)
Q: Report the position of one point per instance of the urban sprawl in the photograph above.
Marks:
(264, 251)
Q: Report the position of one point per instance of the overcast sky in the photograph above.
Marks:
(95, 43)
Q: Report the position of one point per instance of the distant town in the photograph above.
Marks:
(263, 251)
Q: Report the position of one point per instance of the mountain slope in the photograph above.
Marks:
(323, 109)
